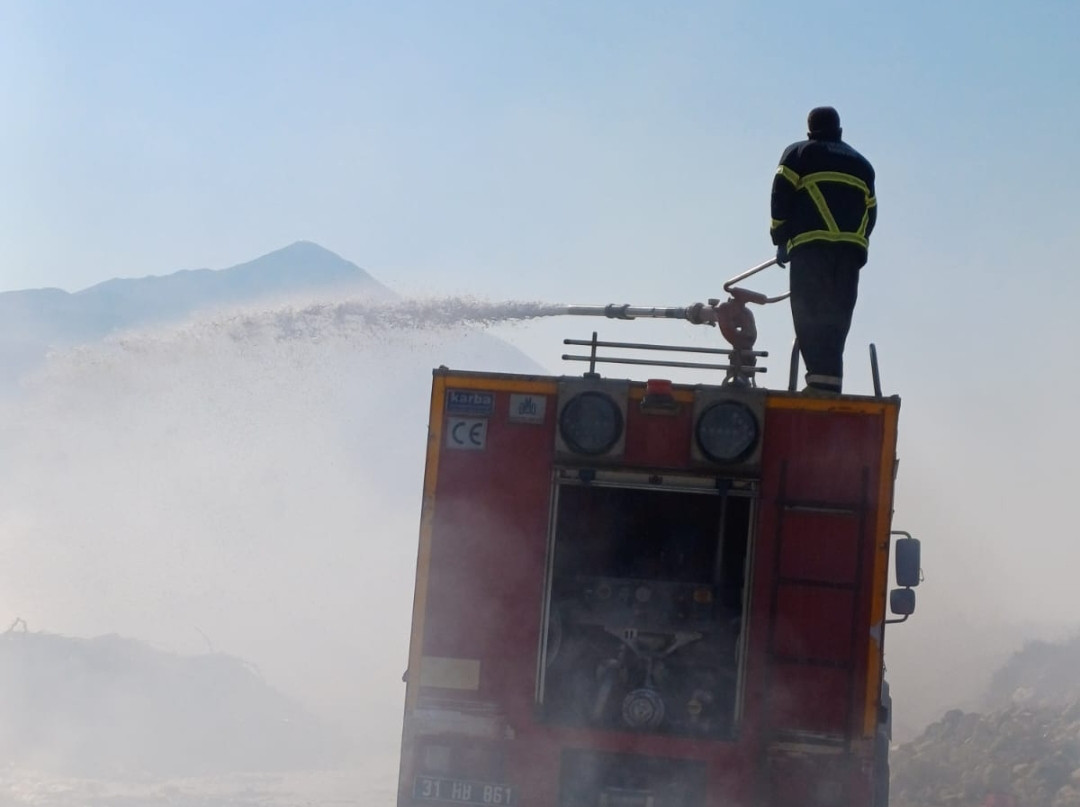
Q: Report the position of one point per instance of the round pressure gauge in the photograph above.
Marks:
(643, 709)
(591, 423)
(727, 431)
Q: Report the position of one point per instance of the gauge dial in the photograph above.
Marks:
(591, 423)
(727, 431)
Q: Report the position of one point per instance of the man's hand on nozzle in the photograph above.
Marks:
(701, 314)
(781, 255)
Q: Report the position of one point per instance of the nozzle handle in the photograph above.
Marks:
(747, 296)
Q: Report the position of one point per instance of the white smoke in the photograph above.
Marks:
(249, 481)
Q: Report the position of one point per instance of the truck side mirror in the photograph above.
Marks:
(908, 561)
(902, 601)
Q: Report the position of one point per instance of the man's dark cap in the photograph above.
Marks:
(823, 123)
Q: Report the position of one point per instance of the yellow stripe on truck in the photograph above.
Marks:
(880, 573)
(423, 557)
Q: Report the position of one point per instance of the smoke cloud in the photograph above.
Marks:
(247, 483)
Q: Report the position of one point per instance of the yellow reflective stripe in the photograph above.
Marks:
(825, 235)
(838, 176)
(809, 183)
(776, 223)
(789, 175)
(822, 206)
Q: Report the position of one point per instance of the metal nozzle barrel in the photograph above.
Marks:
(625, 311)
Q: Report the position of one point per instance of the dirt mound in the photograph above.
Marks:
(116, 706)
(1032, 755)
(1024, 751)
(1041, 674)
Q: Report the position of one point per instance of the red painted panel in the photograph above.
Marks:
(813, 623)
(807, 780)
(488, 549)
(825, 452)
(819, 547)
(809, 698)
(657, 440)
(826, 459)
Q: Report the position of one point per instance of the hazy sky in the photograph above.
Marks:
(606, 151)
(512, 148)
(577, 152)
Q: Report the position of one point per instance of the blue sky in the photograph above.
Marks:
(597, 152)
(463, 145)
(559, 151)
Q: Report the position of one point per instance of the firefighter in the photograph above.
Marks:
(823, 211)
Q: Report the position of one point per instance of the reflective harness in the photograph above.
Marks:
(832, 232)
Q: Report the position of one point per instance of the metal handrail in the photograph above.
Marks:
(744, 360)
(723, 351)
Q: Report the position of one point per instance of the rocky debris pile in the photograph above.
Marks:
(111, 706)
(1024, 751)
(1041, 674)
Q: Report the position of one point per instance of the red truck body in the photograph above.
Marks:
(648, 595)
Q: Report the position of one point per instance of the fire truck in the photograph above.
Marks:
(640, 593)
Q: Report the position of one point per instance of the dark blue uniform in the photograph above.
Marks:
(823, 211)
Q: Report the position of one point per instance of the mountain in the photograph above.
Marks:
(54, 314)
(299, 268)
(36, 321)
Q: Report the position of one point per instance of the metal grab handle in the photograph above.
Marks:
(793, 372)
(757, 298)
(875, 372)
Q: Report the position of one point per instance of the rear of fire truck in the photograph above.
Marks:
(646, 594)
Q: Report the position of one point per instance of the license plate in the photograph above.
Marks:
(459, 791)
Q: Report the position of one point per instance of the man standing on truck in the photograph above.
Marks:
(823, 211)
